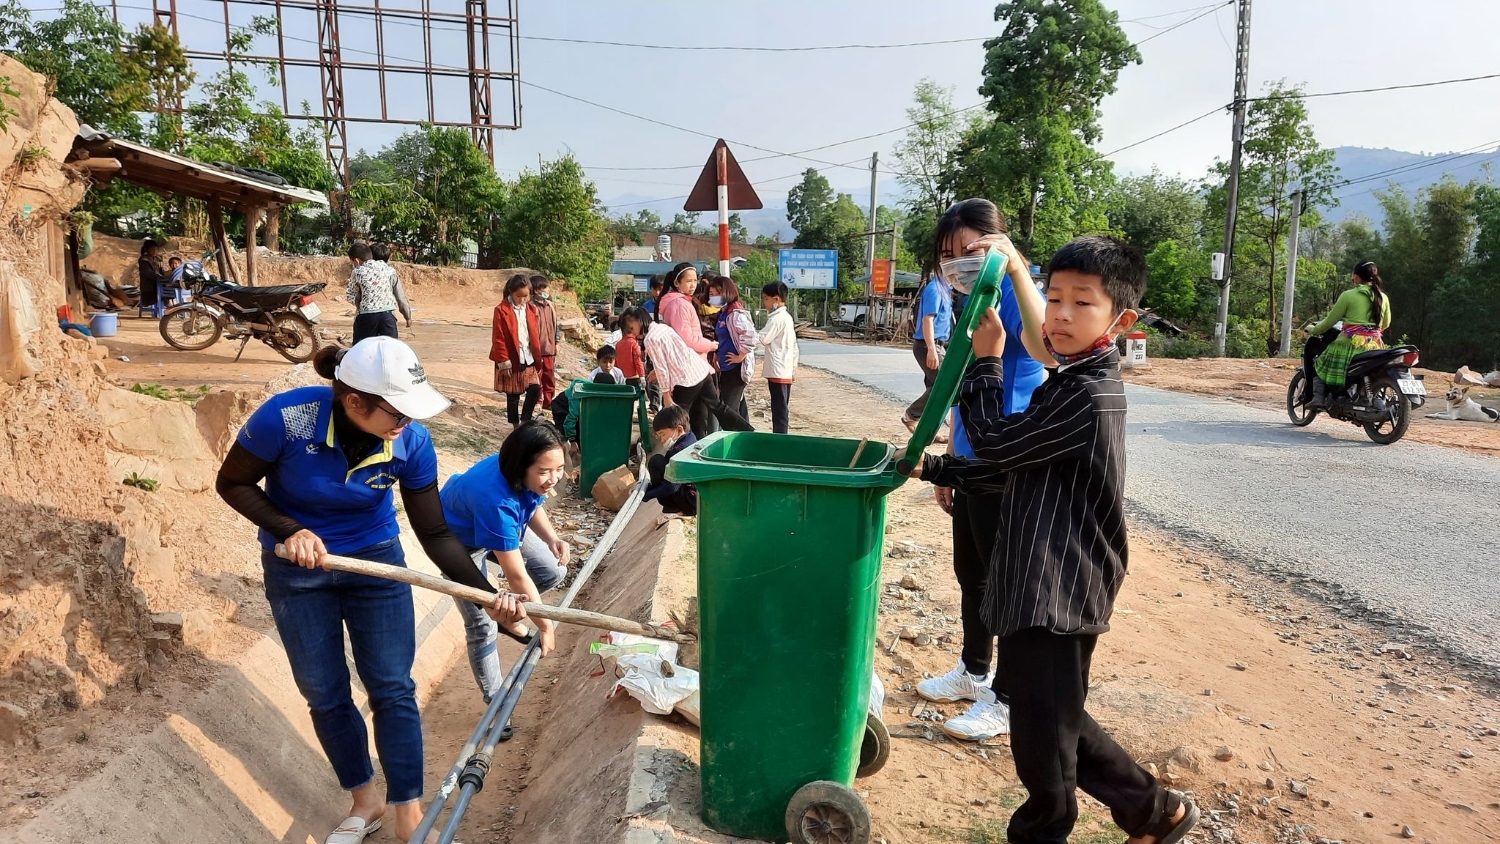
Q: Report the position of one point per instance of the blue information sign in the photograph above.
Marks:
(809, 269)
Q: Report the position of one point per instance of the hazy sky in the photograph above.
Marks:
(793, 101)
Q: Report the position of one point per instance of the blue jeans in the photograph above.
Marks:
(480, 630)
(312, 608)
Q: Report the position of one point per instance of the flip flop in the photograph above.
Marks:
(353, 830)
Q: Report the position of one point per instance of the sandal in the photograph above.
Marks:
(353, 830)
(910, 423)
(1165, 832)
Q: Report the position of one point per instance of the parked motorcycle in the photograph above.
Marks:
(284, 317)
(1378, 395)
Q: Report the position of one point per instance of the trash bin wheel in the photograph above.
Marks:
(875, 750)
(826, 812)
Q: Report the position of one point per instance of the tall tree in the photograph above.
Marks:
(808, 200)
(1282, 153)
(1045, 77)
(552, 223)
(924, 154)
(1174, 270)
(1465, 317)
(442, 191)
(737, 231)
(1153, 208)
(1437, 229)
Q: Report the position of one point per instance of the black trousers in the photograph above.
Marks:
(976, 525)
(929, 377)
(702, 402)
(514, 412)
(732, 390)
(1058, 748)
(382, 324)
(781, 399)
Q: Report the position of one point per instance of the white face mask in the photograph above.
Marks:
(962, 273)
(716, 301)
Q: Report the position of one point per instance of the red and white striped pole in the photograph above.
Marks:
(722, 156)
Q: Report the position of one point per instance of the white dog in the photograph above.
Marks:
(1461, 408)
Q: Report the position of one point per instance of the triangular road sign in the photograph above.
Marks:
(705, 195)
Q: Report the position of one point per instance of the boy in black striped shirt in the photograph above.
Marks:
(1062, 551)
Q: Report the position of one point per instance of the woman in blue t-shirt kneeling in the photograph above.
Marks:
(329, 457)
(489, 508)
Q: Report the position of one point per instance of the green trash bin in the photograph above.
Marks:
(606, 413)
(790, 544)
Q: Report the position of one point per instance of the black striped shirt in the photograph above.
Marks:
(1062, 551)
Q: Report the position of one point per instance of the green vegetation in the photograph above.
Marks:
(189, 395)
(143, 484)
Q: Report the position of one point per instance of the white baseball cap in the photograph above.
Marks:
(389, 368)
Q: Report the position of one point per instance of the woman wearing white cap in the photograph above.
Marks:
(329, 457)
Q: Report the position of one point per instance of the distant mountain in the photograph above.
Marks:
(1375, 170)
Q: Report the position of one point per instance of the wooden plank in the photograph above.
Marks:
(227, 270)
(252, 222)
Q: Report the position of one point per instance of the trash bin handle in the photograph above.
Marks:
(983, 296)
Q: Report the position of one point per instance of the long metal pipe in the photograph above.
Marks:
(497, 715)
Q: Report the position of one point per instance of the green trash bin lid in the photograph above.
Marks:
(784, 458)
(983, 296)
(584, 389)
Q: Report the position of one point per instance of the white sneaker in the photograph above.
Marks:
(954, 686)
(986, 719)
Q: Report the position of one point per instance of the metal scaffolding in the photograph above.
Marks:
(493, 48)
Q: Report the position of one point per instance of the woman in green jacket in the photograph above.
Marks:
(1365, 312)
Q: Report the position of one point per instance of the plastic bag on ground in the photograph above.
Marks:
(877, 696)
(659, 685)
(18, 324)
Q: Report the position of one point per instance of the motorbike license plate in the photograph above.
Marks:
(1411, 386)
(311, 311)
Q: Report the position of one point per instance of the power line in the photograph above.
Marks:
(1181, 24)
(748, 49)
(1205, 115)
(763, 181)
(1302, 96)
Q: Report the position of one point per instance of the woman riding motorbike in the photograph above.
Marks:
(1365, 312)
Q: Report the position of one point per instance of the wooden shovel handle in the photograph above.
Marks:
(567, 615)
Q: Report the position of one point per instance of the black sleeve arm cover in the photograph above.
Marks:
(424, 508)
(238, 483)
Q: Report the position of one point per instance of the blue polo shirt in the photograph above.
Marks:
(484, 511)
(310, 479)
(1022, 372)
(936, 302)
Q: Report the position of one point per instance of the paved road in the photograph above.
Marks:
(1288, 500)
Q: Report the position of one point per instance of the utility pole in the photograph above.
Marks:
(1241, 72)
(870, 250)
(874, 177)
(1298, 200)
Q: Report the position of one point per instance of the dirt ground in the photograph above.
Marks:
(1263, 383)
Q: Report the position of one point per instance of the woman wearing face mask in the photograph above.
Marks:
(516, 349)
(735, 331)
(934, 321)
(329, 457)
(961, 235)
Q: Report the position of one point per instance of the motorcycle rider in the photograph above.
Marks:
(1365, 312)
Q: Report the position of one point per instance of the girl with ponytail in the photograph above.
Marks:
(1365, 312)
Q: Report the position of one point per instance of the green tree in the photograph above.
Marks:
(439, 190)
(1174, 270)
(808, 199)
(1465, 317)
(158, 64)
(1151, 209)
(631, 228)
(551, 223)
(82, 53)
(1044, 77)
(685, 223)
(737, 231)
(924, 155)
(1281, 153)
(839, 226)
(760, 268)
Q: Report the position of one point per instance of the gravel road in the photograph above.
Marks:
(1402, 530)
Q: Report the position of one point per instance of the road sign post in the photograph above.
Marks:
(721, 186)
